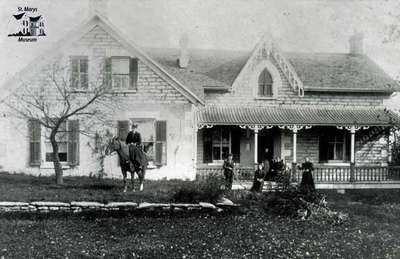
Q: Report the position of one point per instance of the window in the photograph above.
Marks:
(218, 142)
(154, 137)
(334, 146)
(79, 72)
(62, 140)
(121, 73)
(67, 138)
(265, 84)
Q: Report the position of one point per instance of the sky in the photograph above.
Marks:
(302, 25)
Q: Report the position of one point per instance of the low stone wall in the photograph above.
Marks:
(83, 206)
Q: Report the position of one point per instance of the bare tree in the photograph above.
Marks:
(61, 94)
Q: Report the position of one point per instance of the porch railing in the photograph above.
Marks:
(321, 174)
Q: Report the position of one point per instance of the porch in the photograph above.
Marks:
(347, 146)
(325, 177)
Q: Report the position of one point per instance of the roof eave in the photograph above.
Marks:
(347, 90)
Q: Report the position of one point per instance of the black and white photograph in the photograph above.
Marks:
(199, 129)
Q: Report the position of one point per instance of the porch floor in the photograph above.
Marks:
(246, 185)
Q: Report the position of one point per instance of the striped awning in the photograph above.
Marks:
(295, 115)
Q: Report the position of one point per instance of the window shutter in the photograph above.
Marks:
(74, 72)
(207, 146)
(123, 129)
(133, 73)
(161, 143)
(34, 142)
(73, 142)
(108, 72)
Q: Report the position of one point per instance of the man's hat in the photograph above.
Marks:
(134, 126)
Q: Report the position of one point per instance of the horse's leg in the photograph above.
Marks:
(124, 178)
(141, 172)
(133, 180)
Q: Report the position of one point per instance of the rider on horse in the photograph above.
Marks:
(134, 140)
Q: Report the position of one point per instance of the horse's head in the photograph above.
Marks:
(114, 145)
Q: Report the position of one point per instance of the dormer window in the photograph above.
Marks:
(265, 84)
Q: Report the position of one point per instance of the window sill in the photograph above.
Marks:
(122, 91)
(50, 165)
(265, 97)
(336, 163)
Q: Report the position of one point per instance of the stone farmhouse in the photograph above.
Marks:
(193, 107)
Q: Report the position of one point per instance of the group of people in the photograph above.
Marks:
(269, 171)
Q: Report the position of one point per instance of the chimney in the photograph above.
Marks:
(98, 7)
(357, 43)
(183, 60)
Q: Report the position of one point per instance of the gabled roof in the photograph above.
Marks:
(34, 19)
(325, 72)
(18, 16)
(295, 115)
(207, 68)
(191, 93)
(340, 72)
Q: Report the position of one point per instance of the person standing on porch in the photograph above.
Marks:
(228, 167)
(307, 181)
(259, 176)
(266, 164)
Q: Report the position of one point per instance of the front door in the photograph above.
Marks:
(265, 145)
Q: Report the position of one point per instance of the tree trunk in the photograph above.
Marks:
(56, 159)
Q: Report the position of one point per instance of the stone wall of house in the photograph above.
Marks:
(245, 89)
(155, 98)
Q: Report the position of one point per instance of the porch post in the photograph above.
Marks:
(294, 155)
(256, 144)
(294, 130)
(352, 152)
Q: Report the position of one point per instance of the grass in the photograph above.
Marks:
(371, 232)
(18, 187)
(254, 234)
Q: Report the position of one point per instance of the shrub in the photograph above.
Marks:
(208, 190)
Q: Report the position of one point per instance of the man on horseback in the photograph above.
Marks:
(134, 141)
(134, 136)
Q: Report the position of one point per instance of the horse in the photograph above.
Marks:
(131, 160)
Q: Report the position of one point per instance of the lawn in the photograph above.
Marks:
(19, 187)
(371, 232)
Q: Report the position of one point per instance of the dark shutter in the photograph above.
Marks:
(207, 146)
(323, 148)
(123, 129)
(73, 142)
(108, 72)
(74, 72)
(235, 143)
(34, 142)
(161, 143)
(133, 73)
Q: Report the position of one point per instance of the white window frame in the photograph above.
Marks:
(79, 73)
(49, 164)
(121, 75)
(221, 145)
(276, 79)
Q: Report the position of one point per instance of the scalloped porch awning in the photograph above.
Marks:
(295, 115)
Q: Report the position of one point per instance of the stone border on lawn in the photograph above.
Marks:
(80, 206)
